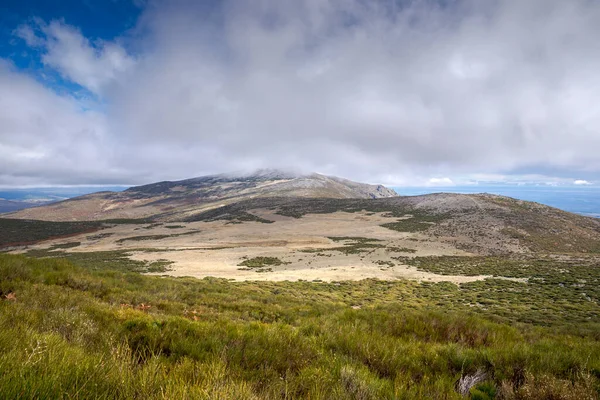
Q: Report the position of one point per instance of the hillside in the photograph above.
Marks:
(181, 198)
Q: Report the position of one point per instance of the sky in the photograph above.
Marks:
(399, 92)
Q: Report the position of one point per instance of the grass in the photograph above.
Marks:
(92, 328)
(556, 289)
(116, 260)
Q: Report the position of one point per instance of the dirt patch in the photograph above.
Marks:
(327, 247)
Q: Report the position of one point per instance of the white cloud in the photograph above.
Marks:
(47, 138)
(349, 87)
(27, 33)
(91, 65)
(440, 182)
(581, 182)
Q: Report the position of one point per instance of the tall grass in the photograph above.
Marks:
(67, 331)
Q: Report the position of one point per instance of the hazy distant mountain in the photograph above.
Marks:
(10, 206)
(181, 199)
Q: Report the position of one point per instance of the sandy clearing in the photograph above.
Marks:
(224, 264)
(201, 249)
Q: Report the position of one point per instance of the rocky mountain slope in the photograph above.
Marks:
(180, 199)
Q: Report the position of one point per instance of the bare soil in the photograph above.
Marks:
(304, 246)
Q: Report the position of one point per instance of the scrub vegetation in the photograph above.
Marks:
(18, 232)
(94, 327)
(155, 237)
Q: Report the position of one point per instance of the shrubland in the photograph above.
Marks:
(95, 327)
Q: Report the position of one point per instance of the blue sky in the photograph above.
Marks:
(98, 19)
(412, 93)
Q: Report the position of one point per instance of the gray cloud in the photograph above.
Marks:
(367, 90)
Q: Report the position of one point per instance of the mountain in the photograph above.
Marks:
(182, 199)
(10, 206)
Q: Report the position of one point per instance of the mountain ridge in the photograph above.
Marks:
(205, 192)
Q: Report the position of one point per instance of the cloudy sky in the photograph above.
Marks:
(394, 91)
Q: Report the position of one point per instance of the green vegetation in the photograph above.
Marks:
(117, 260)
(415, 223)
(128, 221)
(356, 239)
(569, 286)
(97, 330)
(357, 245)
(155, 237)
(152, 226)
(550, 230)
(395, 249)
(352, 245)
(260, 262)
(234, 213)
(388, 264)
(15, 232)
(141, 238)
(100, 236)
(69, 245)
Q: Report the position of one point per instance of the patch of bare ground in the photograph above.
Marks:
(328, 247)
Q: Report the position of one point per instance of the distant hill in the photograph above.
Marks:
(182, 199)
(10, 206)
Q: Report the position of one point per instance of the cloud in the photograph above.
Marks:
(440, 182)
(27, 33)
(366, 90)
(48, 138)
(65, 49)
(581, 182)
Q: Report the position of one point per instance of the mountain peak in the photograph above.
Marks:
(267, 174)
